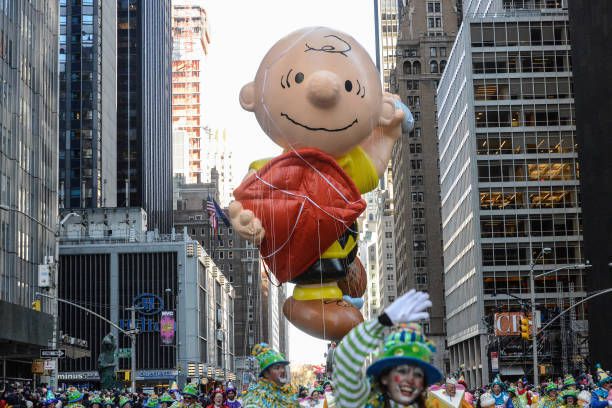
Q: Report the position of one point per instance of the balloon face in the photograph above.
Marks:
(317, 88)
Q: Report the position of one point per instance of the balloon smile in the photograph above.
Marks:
(319, 128)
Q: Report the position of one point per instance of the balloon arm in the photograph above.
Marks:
(378, 146)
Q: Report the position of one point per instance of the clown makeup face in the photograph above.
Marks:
(328, 388)
(451, 389)
(404, 383)
(317, 88)
(218, 399)
(552, 394)
(277, 373)
(496, 389)
(571, 401)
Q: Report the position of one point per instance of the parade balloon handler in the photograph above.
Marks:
(272, 388)
(402, 371)
(317, 94)
(601, 397)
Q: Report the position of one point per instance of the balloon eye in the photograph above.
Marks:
(348, 85)
(299, 77)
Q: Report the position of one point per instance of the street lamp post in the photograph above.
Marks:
(133, 332)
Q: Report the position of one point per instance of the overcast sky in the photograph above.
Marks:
(241, 33)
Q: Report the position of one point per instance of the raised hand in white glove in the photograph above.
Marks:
(410, 307)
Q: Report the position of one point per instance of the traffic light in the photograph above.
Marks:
(123, 375)
(36, 305)
(525, 328)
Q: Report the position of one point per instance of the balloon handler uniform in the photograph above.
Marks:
(406, 350)
(316, 94)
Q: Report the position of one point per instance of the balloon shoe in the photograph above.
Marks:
(328, 319)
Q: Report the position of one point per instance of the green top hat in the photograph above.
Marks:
(166, 398)
(512, 390)
(108, 402)
(551, 387)
(124, 400)
(569, 393)
(569, 381)
(190, 390)
(602, 376)
(152, 402)
(95, 400)
(266, 356)
(408, 345)
(74, 396)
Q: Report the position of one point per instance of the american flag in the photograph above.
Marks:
(212, 214)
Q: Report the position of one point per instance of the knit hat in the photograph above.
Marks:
(569, 381)
(602, 376)
(266, 356)
(166, 398)
(190, 390)
(408, 345)
(152, 401)
(487, 400)
(74, 395)
(124, 400)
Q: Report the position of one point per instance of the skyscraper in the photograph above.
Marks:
(88, 104)
(427, 32)
(28, 175)
(190, 47)
(510, 188)
(144, 109)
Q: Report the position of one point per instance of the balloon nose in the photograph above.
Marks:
(323, 89)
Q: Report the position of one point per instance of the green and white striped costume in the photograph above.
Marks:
(352, 388)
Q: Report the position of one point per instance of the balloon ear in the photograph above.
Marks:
(247, 97)
(387, 113)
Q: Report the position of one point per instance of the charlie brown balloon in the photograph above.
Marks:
(317, 94)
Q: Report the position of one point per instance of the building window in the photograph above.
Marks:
(418, 213)
(416, 180)
(419, 261)
(438, 22)
(417, 196)
(416, 67)
(388, 234)
(419, 245)
(430, 22)
(389, 255)
(421, 279)
(419, 228)
(433, 67)
(220, 255)
(442, 66)
(230, 254)
(417, 116)
(415, 148)
(432, 52)
(230, 243)
(443, 51)
(407, 67)
(416, 164)
(390, 267)
(410, 52)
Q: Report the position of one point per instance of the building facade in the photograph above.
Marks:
(88, 104)
(28, 176)
(110, 262)
(427, 32)
(510, 188)
(190, 39)
(144, 109)
(589, 23)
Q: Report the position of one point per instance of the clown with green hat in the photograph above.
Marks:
(402, 370)
(152, 401)
(125, 401)
(600, 398)
(95, 401)
(570, 398)
(272, 388)
(190, 397)
(569, 382)
(74, 397)
(551, 398)
(166, 400)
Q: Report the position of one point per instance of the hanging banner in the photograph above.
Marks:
(166, 327)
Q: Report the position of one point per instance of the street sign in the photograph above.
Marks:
(52, 353)
(49, 364)
(124, 352)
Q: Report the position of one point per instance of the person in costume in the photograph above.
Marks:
(402, 371)
(569, 383)
(125, 401)
(316, 399)
(517, 401)
(190, 397)
(502, 399)
(452, 394)
(601, 396)
(550, 399)
(487, 400)
(74, 398)
(50, 400)
(108, 403)
(317, 94)
(524, 394)
(231, 397)
(217, 398)
(152, 401)
(95, 401)
(272, 388)
(584, 399)
(166, 400)
(570, 398)
(173, 390)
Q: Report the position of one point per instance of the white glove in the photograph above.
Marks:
(410, 307)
